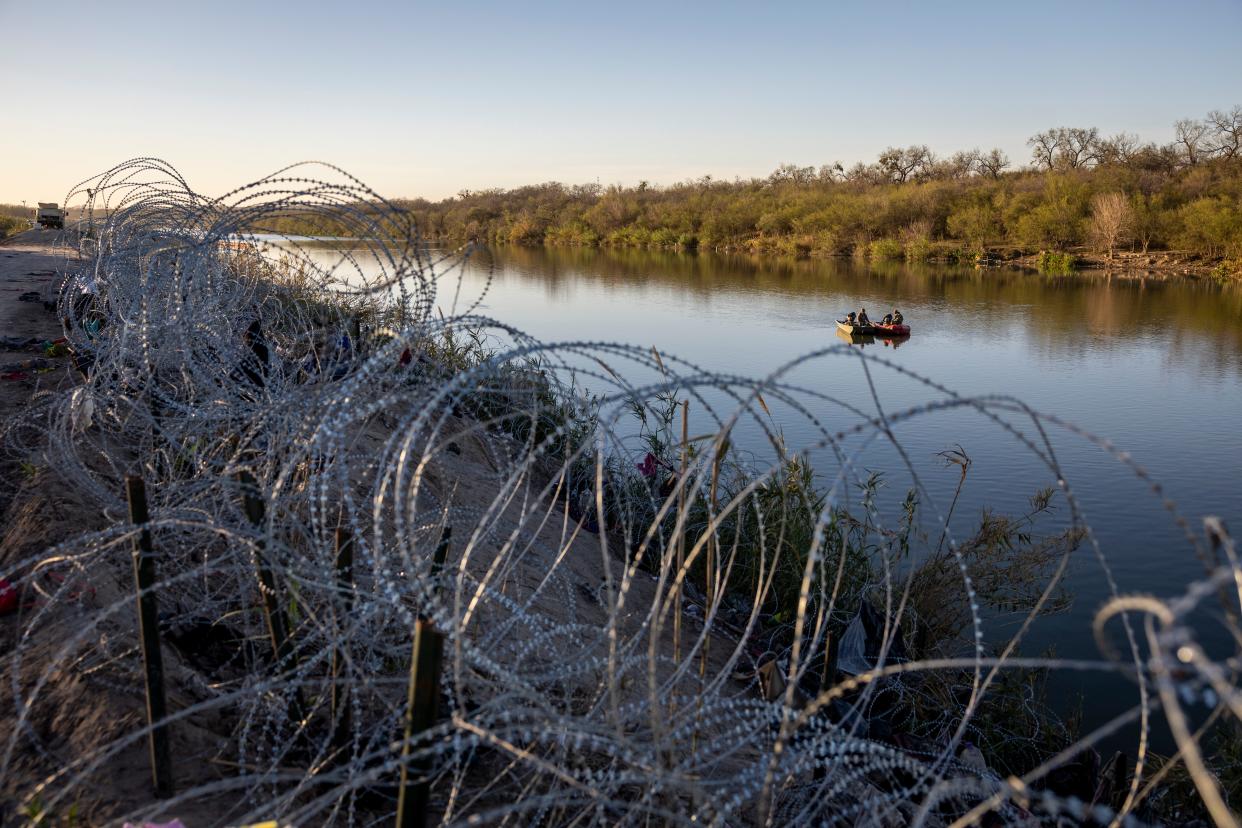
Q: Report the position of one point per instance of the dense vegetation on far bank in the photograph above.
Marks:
(1081, 192)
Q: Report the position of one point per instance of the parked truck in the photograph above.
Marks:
(49, 215)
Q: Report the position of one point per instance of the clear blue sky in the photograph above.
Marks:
(429, 98)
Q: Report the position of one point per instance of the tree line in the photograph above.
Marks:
(1080, 190)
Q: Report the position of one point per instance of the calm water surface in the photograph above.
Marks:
(1154, 366)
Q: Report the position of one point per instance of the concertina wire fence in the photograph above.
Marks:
(639, 625)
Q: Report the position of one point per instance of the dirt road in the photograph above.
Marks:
(30, 264)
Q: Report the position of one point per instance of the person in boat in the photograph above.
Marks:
(897, 317)
(887, 320)
(862, 318)
(851, 319)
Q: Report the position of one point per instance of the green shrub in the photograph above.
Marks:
(977, 225)
(774, 223)
(885, 249)
(799, 246)
(639, 236)
(1212, 227)
(663, 237)
(629, 237)
(525, 230)
(918, 250)
(10, 225)
(826, 243)
(1227, 270)
(1053, 262)
(572, 233)
(1049, 224)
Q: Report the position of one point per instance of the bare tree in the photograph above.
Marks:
(1226, 140)
(792, 174)
(1044, 146)
(1162, 159)
(959, 165)
(962, 164)
(1079, 146)
(1119, 149)
(991, 163)
(900, 164)
(1071, 147)
(832, 172)
(1189, 136)
(862, 173)
(1112, 219)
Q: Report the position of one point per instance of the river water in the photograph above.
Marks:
(1153, 365)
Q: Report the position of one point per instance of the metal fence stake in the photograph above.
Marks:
(420, 715)
(149, 633)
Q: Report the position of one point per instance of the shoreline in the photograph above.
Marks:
(1156, 264)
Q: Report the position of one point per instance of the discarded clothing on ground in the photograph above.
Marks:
(56, 348)
(863, 640)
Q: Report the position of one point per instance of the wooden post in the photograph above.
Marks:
(274, 613)
(149, 633)
(420, 715)
(345, 593)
